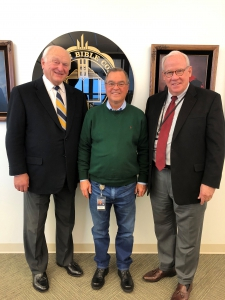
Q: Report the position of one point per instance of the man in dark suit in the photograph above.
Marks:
(43, 159)
(186, 167)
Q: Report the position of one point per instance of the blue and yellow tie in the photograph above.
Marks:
(60, 107)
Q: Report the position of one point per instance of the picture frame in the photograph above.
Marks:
(203, 59)
(7, 75)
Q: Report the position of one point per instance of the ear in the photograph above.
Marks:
(42, 63)
(190, 71)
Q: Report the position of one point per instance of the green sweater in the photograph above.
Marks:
(113, 147)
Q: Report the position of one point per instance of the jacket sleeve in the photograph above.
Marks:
(15, 135)
(84, 150)
(142, 152)
(215, 144)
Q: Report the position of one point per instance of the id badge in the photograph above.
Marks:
(101, 201)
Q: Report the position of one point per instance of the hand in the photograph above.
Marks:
(21, 182)
(206, 193)
(85, 187)
(140, 189)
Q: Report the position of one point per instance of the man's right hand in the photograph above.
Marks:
(21, 182)
(85, 187)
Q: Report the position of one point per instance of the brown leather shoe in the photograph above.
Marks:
(157, 274)
(181, 292)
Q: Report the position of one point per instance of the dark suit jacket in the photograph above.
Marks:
(35, 141)
(198, 143)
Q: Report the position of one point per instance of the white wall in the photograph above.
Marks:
(133, 26)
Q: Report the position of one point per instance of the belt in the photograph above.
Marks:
(166, 166)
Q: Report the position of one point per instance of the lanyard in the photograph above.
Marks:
(163, 121)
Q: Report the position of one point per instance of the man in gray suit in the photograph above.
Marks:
(42, 154)
(186, 143)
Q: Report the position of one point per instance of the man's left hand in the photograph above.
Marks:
(206, 193)
(140, 189)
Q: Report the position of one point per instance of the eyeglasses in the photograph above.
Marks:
(178, 72)
(119, 84)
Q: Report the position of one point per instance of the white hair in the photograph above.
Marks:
(48, 49)
(175, 52)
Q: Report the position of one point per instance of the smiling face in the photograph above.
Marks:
(176, 84)
(116, 93)
(56, 64)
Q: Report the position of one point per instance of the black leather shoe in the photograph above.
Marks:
(73, 269)
(98, 279)
(127, 283)
(40, 282)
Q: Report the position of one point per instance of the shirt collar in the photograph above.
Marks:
(49, 85)
(120, 108)
(179, 96)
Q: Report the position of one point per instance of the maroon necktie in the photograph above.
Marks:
(160, 160)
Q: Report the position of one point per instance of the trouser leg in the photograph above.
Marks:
(164, 219)
(65, 218)
(125, 208)
(100, 229)
(35, 213)
(189, 230)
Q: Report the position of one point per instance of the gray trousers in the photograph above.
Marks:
(35, 214)
(178, 228)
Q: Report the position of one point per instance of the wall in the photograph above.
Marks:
(133, 26)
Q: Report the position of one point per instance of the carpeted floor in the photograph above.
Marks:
(16, 280)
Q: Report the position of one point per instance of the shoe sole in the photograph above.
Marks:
(127, 291)
(68, 272)
(149, 280)
(41, 291)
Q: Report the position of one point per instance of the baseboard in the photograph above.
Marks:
(137, 249)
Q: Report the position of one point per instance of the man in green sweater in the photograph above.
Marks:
(113, 170)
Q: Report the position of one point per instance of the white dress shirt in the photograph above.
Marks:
(178, 103)
(52, 92)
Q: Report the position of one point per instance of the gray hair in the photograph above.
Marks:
(117, 70)
(175, 52)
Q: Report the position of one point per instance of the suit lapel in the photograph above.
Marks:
(158, 108)
(44, 98)
(189, 101)
(160, 101)
(70, 99)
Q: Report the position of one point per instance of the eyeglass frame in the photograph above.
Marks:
(120, 84)
(182, 70)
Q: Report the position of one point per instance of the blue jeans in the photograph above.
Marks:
(123, 199)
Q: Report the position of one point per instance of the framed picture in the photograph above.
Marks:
(7, 78)
(203, 59)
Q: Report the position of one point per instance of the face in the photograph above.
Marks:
(116, 94)
(56, 65)
(176, 84)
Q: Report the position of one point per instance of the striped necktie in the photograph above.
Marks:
(60, 107)
(160, 160)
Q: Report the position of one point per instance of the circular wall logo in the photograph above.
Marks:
(92, 56)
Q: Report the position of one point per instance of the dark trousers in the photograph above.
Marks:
(35, 214)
